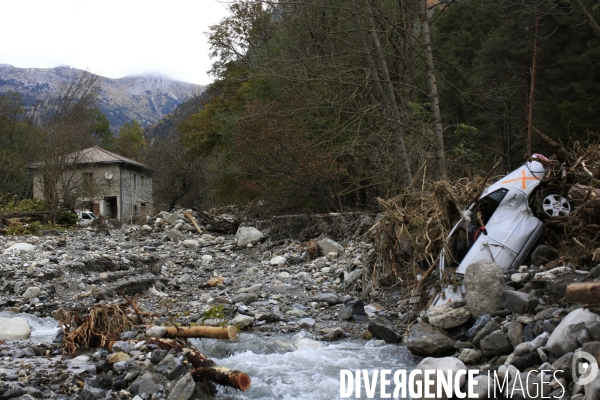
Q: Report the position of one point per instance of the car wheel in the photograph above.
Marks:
(554, 204)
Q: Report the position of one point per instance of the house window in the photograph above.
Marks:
(134, 182)
(87, 181)
(142, 182)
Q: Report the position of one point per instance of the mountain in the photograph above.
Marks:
(146, 99)
(168, 124)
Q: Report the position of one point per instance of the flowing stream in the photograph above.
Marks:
(297, 367)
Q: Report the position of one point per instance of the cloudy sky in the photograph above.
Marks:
(111, 38)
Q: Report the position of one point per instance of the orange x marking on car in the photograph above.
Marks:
(524, 178)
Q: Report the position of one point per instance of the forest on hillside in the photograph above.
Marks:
(329, 105)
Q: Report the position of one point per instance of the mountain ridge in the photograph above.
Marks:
(144, 98)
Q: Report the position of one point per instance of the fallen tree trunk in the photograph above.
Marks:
(588, 293)
(224, 376)
(205, 367)
(213, 332)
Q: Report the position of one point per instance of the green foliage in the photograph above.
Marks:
(214, 312)
(67, 218)
(11, 204)
(20, 229)
(100, 130)
(131, 141)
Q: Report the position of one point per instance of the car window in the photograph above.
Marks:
(86, 216)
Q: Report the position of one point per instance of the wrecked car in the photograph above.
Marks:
(501, 225)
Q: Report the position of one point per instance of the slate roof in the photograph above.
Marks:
(97, 155)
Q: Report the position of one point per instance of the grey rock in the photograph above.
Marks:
(245, 298)
(157, 356)
(440, 366)
(242, 321)
(327, 246)
(526, 361)
(174, 235)
(495, 344)
(483, 387)
(351, 277)
(522, 349)
(515, 301)
(479, 324)
(445, 317)
(183, 389)
(246, 235)
(469, 356)
(484, 284)
(14, 328)
(592, 390)
(564, 339)
(32, 292)
(427, 340)
(383, 332)
(515, 333)
(329, 298)
(146, 386)
(352, 308)
(306, 323)
(486, 330)
(538, 342)
(156, 331)
(121, 346)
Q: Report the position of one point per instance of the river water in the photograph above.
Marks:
(297, 367)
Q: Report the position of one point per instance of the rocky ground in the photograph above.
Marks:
(179, 274)
(511, 324)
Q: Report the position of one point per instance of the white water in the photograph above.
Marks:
(42, 329)
(283, 367)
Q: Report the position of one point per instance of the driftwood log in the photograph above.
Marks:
(213, 332)
(219, 224)
(587, 293)
(205, 368)
(189, 216)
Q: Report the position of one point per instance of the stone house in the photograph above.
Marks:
(101, 181)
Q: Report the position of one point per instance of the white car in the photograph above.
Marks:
(501, 226)
(86, 217)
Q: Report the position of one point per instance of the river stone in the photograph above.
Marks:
(486, 330)
(479, 325)
(20, 247)
(427, 340)
(246, 235)
(351, 277)
(183, 389)
(278, 260)
(156, 331)
(469, 356)
(14, 328)
(383, 332)
(564, 338)
(445, 317)
(592, 390)
(245, 298)
(32, 292)
(515, 333)
(327, 246)
(242, 321)
(352, 308)
(329, 298)
(542, 254)
(306, 323)
(483, 387)
(122, 346)
(495, 344)
(190, 243)
(116, 357)
(174, 235)
(439, 365)
(515, 301)
(484, 284)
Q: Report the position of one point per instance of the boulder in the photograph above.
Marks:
(351, 277)
(327, 246)
(306, 323)
(191, 243)
(245, 298)
(14, 328)
(352, 308)
(246, 235)
(564, 338)
(592, 390)
(242, 321)
(479, 325)
(439, 365)
(427, 340)
(174, 235)
(383, 332)
(483, 387)
(484, 284)
(542, 254)
(278, 260)
(515, 333)
(20, 248)
(445, 317)
(486, 330)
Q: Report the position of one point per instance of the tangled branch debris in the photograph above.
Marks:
(102, 325)
(415, 225)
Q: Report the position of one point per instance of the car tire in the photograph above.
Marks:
(553, 204)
